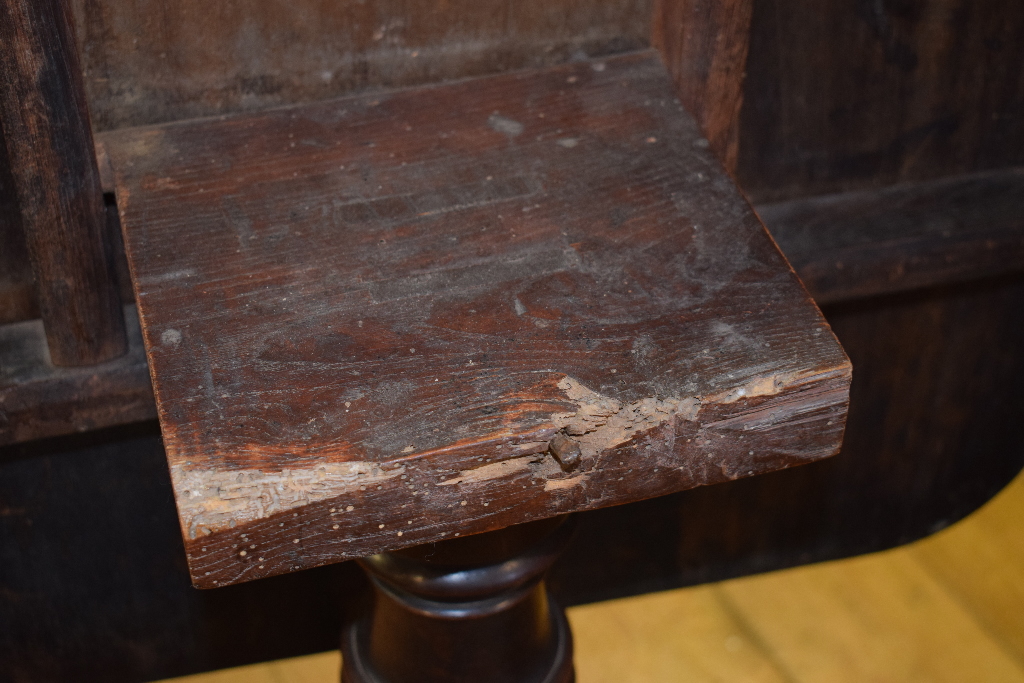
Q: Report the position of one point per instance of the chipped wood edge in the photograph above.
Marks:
(299, 518)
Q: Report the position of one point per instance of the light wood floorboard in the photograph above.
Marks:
(981, 563)
(948, 609)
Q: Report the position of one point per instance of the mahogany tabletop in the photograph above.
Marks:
(409, 315)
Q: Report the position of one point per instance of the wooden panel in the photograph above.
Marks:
(367, 318)
(39, 400)
(148, 62)
(17, 298)
(828, 105)
(843, 95)
(903, 237)
(52, 161)
(704, 44)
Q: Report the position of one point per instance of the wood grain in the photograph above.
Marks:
(49, 140)
(847, 95)
(683, 635)
(190, 59)
(843, 247)
(903, 237)
(932, 434)
(981, 563)
(374, 313)
(704, 44)
(17, 298)
(868, 619)
(839, 96)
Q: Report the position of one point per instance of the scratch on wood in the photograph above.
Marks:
(556, 484)
(214, 500)
(769, 385)
(495, 470)
(602, 422)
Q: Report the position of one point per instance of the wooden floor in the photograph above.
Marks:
(949, 608)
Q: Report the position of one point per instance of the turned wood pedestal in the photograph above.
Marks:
(468, 609)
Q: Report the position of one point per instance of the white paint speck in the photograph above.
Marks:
(171, 337)
(503, 124)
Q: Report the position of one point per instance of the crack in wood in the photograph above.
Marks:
(214, 500)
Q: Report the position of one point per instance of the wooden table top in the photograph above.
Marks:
(368, 319)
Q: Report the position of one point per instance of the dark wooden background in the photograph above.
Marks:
(842, 100)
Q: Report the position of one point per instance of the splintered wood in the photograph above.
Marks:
(368, 319)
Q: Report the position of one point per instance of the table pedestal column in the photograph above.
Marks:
(467, 610)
